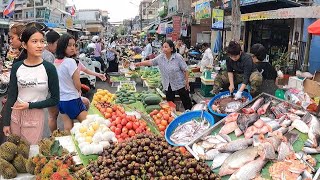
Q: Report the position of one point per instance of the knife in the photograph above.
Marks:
(232, 95)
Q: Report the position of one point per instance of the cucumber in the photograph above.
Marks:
(131, 101)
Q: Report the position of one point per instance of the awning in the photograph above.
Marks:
(285, 13)
(60, 30)
(63, 12)
(147, 28)
(72, 29)
(314, 28)
(262, 5)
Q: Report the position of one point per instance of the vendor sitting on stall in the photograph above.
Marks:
(240, 69)
(259, 54)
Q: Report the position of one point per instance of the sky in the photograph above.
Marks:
(118, 9)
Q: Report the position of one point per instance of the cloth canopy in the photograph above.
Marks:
(314, 28)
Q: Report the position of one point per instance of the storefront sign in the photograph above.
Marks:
(285, 13)
(176, 27)
(203, 10)
(217, 19)
(162, 28)
(227, 3)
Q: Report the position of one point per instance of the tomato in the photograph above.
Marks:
(114, 108)
(120, 140)
(113, 123)
(139, 130)
(125, 130)
(129, 125)
(113, 118)
(131, 133)
(171, 119)
(112, 128)
(124, 122)
(166, 117)
(118, 120)
(182, 150)
(162, 133)
(119, 126)
(161, 127)
(117, 131)
(117, 136)
(136, 125)
(107, 115)
(121, 109)
(159, 116)
(158, 121)
(164, 123)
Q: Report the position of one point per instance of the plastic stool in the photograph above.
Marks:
(248, 87)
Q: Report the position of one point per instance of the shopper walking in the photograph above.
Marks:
(207, 58)
(97, 52)
(174, 73)
(70, 105)
(31, 81)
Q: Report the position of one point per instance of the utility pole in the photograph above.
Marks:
(236, 21)
(34, 10)
(140, 13)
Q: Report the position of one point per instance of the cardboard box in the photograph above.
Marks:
(296, 82)
(312, 88)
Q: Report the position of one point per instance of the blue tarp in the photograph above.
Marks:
(218, 43)
(51, 25)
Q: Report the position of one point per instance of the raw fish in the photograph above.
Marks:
(314, 131)
(284, 150)
(235, 145)
(209, 155)
(259, 123)
(228, 128)
(244, 121)
(219, 159)
(300, 126)
(263, 109)
(254, 107)
(238, 159)
(249, 170)
(238, 132)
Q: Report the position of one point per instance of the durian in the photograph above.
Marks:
(8, 150)
(59, 133)
(15, 139)
(45, 146)
(30, 166)
(7, 170)
(19, 162)
(24, 149)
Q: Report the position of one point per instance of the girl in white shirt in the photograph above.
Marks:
(70, 105)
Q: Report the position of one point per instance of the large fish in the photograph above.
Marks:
(249, 171)
(244, 121)
(263, 109)
(228, 128)
(314, 131)
(300, 126)
(219, 159)
(236, 145)
(209, 155)
(269, 151)
(239, 159)
(284, 150)
(254, 106)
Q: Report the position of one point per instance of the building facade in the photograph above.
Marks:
(93, 20)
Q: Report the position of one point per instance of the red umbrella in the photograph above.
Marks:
(314, 28)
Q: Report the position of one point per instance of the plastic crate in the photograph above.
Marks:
(206, 90)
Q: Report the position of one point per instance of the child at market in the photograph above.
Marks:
(70, 105)
(30, 82)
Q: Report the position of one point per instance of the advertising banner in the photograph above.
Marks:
(217, 19)
(203, 10)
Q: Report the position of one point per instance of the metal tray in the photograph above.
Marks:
(221, 122)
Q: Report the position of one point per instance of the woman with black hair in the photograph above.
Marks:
(174, 73)
(31, 80)
(70, 105)
(15, 33)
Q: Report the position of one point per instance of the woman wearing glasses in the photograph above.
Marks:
(70, 105)
(31, 81)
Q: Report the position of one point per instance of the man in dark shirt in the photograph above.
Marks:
(259, 53)
(240, 69)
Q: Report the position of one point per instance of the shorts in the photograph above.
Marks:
(72, 108)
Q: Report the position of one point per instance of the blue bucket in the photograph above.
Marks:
(188, 116)
(225, 93)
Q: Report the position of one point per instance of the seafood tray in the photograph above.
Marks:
(297, 145)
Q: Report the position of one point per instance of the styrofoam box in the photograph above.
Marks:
(296, 83)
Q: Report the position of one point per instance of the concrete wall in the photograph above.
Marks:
(205, 25)
(88, 15)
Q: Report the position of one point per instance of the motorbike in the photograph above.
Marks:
(194, 55)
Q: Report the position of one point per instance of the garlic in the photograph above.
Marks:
(97, 137)
(104, 144)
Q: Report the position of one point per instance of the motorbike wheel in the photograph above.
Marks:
(3, 88)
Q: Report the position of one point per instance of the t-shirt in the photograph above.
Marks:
(81, 67)
(243, 66)
(32, 84)
(66, 68)
(48, 56)
(269, 72)
(97, 50)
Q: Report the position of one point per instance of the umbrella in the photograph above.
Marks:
(218, 43)
(314, 28)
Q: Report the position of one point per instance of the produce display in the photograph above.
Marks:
(93, 134)
(269, 139)
(146, 157)
(123, 125)
(162, 119)
(125, 97)
(118, 78)
(102, 96)
(127, 86)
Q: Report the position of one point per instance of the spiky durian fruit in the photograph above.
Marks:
(19, 162)
(30, 166)
(59, 133)
(7, 170)
(23, 149)
(15, 139)
(8, 150)
(45, 146)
